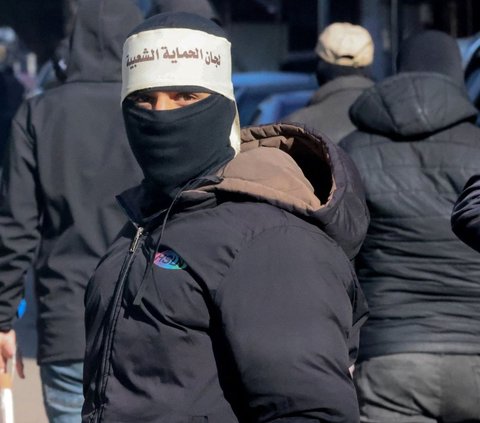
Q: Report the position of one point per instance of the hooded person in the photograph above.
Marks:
(230, 296)
(67, 158)
(415, 149)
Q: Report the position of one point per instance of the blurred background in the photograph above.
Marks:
(285, 29)
(268, 37)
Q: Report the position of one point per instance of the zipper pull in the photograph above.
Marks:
(134, 244)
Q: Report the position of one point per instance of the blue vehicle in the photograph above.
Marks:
(470, 50)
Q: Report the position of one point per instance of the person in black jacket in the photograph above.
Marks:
(415, 148)
(345, 53)
(230, 296)
(68, 156)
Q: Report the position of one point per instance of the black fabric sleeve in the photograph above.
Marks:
(286, 312)
(19, 217)
(360, 316)
(466, 214)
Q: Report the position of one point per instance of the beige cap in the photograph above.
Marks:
(344, 44)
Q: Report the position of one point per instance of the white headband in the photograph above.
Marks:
(179, 57)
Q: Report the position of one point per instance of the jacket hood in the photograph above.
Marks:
(100, 30)
(302, 173)
(283, 165)
(412, 104)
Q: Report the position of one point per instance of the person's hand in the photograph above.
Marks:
(8, 348)
(351, 369)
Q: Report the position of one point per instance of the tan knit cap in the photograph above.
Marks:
(344, 44)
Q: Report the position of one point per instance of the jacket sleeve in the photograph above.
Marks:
(19, 217)
(466, 214)
(286, 312)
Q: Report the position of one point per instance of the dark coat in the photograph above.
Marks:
(466, 213)
(68, 158)
(327, 111)
(251, 308)
(415, 150)
(11, 95)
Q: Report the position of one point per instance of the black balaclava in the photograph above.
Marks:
(177, 147)
(431, 51)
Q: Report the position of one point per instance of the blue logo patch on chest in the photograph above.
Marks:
(170, 260)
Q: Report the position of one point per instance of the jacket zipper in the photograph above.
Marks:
(105, 363)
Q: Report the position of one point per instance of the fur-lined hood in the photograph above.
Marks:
(290, 168)
(298, 171)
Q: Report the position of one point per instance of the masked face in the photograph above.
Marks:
(178, 136)
(178, 100)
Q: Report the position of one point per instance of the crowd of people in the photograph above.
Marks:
(318, 269)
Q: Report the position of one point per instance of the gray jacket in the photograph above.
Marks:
(328, 108)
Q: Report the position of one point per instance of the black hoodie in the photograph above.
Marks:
(415, 149)
(67, 159)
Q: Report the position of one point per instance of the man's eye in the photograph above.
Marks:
(186, 96)
(141, 99)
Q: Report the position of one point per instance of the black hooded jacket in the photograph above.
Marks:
(67, 159)
(250, 310)
(415, 149)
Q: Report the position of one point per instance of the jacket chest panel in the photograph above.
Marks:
(101, 287)
(166, 292)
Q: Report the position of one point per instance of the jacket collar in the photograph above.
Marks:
(282, 165)
(342, 83)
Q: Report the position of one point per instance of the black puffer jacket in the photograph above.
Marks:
(415, 150)
(251, 307)
(68, 158)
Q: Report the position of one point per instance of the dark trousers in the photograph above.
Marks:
(419, 388)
